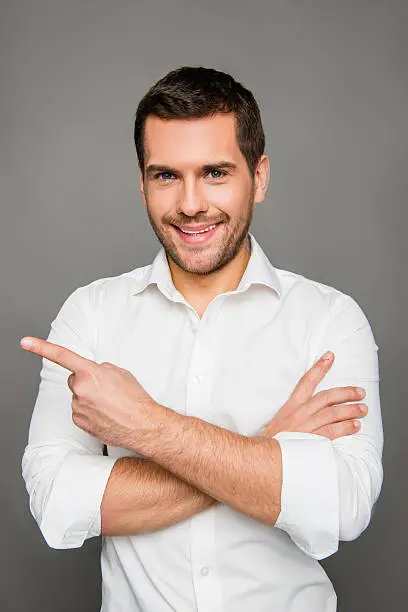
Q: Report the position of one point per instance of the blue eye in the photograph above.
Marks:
(220, 173)
(161, 175)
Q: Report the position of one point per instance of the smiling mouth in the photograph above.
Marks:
(201, 231)
(189, 237)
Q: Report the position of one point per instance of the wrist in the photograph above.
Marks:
(154, 425)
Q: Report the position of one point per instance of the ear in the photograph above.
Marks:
(141, 186)
(262, 176)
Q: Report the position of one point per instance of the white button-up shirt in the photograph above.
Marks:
(235, 367)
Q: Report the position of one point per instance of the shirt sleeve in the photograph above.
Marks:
(330, 487)
(64, 469)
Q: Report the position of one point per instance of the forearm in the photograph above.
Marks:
(242, 472)
(142, 496)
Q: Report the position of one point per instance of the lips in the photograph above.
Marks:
(197, 238)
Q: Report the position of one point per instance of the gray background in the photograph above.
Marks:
(331, 81)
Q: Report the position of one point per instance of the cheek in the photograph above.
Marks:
(162, 200)
(224, 195)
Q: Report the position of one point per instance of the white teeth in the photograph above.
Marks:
(201, 231)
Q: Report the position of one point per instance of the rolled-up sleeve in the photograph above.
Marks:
(64, 469)
(330, 487)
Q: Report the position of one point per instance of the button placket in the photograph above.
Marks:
(202, 542)
(196, 391)
(203, 558)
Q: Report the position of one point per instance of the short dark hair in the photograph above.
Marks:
(196, 92)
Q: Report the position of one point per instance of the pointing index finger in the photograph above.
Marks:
(56, 353)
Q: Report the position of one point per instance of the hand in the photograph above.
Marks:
(325, 413)
(108, 402)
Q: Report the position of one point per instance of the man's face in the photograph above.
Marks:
(196, 175)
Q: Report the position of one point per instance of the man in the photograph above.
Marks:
(237, 455)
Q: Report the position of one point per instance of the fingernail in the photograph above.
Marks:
(327, 355)
(357, 424)
(26, 342)
(360, 391)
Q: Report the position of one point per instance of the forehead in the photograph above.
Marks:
(179, 142)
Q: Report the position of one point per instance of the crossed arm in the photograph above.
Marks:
(147, 497)
(142, 495)
(329, 487)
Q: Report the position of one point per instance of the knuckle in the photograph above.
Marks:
(353, 393)
(344, 394)
(349, 411)
(335, 411)
(347, 428)
(352, 410)
(325, 396)
(87, 374)
(358, 409)
(352, 427)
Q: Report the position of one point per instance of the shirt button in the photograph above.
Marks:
(198, 378)
(204, 571)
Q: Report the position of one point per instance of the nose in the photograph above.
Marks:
(191, 200)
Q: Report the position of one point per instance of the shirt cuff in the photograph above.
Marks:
(72, 513)
(310, 495)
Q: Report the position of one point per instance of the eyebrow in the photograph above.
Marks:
(152, 168)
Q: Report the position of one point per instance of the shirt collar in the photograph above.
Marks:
(259, 270)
